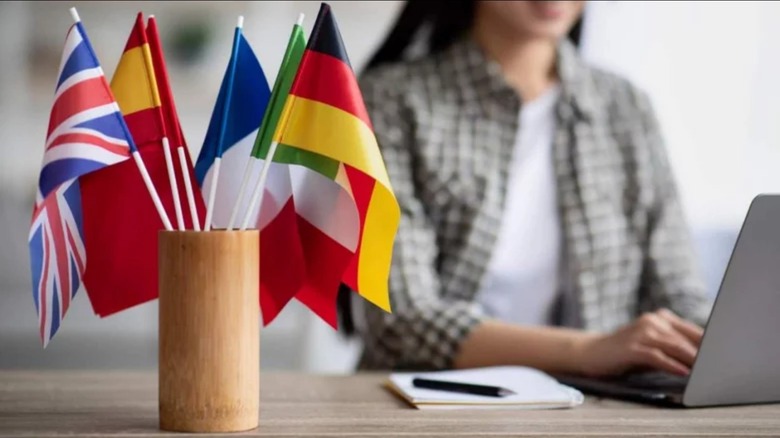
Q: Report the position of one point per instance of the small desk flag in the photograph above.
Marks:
(282, 265)
(348, 212)
(174, 132)
(281, 259)
(241, 102)
(86, 133)
(120, 220)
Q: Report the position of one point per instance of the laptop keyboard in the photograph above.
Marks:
(655, 380)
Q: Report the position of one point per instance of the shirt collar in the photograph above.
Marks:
(479, 78)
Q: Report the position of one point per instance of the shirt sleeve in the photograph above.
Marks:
(671, 275)
(424, 330)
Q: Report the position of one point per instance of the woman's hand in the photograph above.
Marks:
(659, 340)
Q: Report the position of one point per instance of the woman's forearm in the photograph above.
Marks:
(659, 340)
(552, 349)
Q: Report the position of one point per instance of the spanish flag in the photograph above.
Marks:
(348, 214)
(135, 86)
(120, 220)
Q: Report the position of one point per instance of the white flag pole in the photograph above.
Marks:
(188, 188)
(172, 180)
(218, 159)
(75, 14)
(250, 167)
(177, 203)
(212, 194)
(257, 194)
(139, 162)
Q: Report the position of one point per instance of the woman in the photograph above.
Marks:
(535, 192)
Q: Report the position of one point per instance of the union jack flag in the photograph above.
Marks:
(86, 133)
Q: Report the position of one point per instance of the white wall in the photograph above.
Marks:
(712, 71)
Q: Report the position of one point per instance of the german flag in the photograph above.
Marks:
(348, 214)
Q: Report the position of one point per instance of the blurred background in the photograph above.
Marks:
(711, 69)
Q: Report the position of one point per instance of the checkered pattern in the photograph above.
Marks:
(447, 126)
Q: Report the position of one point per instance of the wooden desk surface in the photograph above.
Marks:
(42, 404)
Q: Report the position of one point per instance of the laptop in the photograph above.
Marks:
(739, 357)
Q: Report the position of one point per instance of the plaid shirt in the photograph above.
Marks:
(447, 126)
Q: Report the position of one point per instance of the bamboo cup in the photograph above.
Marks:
(209, 357)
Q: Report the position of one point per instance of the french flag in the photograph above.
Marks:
(238, 112)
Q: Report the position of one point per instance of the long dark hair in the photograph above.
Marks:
(446, 21)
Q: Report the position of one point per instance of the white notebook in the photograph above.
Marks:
(533, 389)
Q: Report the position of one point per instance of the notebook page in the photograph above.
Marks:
(532, 387)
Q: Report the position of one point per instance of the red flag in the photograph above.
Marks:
(168, 106)
(171, 124)
(120, 221)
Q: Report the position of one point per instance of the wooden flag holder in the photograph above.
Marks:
(209, 346)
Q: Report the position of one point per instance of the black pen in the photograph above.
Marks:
(467, 388)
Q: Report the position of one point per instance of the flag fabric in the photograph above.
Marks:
(120, 220)
(284, 80)
(235, 126)
(348, 214)
(282, 267)
(281, 257)
(86, 133)
(171, 124)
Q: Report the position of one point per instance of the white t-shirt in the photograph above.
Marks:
(522, 278)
